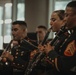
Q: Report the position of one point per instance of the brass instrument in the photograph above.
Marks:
(39, 56)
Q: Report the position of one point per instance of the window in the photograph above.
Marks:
(20, 9)
(61, 4)
(9, 11)
(7, 22)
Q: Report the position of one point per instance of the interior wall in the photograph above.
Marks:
(2, 2)
(36, 13)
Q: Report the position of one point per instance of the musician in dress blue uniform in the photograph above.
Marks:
(65, 63)
(21, 47)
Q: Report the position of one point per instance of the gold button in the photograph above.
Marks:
(16, 53)
(13, 63)
(16, 49)
(18, 64)
(21, 54)
(47, 57)
(53, 61)
(50, 59)
(18, 45)
(15, 56)
(59, 50)
(60, 46)
(22, 65)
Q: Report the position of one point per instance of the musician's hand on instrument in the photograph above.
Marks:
(48, 48)
(40, 47)
(15, 43)
(5, 54)
(32, 54)
(10, 57)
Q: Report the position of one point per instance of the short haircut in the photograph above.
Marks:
(72, 4)
(21, 23)
(60, 13)
(42, 26)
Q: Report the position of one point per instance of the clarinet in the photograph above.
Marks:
(62, 30)
(39, 56)
(28, 70)
(4, 60)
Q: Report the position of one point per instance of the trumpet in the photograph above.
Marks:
(40, 55)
